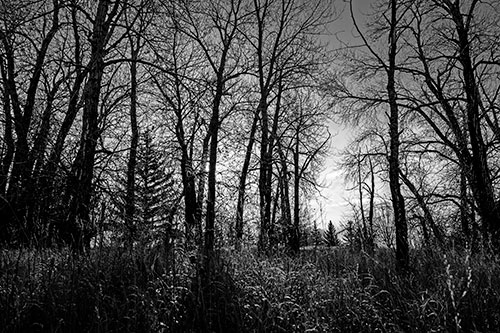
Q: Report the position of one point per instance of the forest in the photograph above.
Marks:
(159, 160)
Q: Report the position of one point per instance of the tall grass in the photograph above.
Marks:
(329, 290)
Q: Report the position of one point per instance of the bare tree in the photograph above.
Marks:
(460, 30)
(136, 43)
(360, 170)
(20, 99)
(392, 18)
(282, 47)
(78, 229)
(307, 140)
(242, 182)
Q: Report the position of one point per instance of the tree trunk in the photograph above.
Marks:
(72, 110)
(20, 171)
(471, 152)
(295, 236)
(361, 205)
(398, 204)
(202, 180)
(481, 181)
(190, 200)
(134, 142)
(192, 211)
(78, 229)
(265, 173)
(371, 240)
(20, 182)
(286, 212)
(242, 184)
(34, 192)
(8, 139)
(212, 181)
(266, 166)
(464, 205)
(5, 209)
(50, 182)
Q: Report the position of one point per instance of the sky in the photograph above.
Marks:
(333, 204)
(342, 27)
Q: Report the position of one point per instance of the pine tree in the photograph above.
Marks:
(154, 189)
(352, 235)
(331, 238)
(154, 195)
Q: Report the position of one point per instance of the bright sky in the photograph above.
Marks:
(333, 205)
(334, 202)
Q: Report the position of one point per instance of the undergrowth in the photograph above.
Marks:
(328, 290)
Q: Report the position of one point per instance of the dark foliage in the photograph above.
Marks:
(331, 237)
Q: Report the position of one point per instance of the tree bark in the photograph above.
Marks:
(265, 173)
(295, 236)
(20, 173)
(212, 180)
(20, 183)
(481, 181)
(74, 98)
(202, 182)
(286, 211)
(361, 204)
(470, 147)
(464, 205)
(50, 182)
(78, 230)
(8, 138)
(242, 184)
(34, 191)
(130, 203)
(398, 204)
(371, 240)
(5, 209)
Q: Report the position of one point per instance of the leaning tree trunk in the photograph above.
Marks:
(238, 226)
(427, 213)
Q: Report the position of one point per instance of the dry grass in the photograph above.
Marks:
(319, 291)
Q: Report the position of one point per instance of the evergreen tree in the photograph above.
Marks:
(331, 238)
(352, 235)
(154, 195)
(154, 183)
(317, 235)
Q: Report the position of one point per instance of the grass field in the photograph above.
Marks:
(326, 290)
